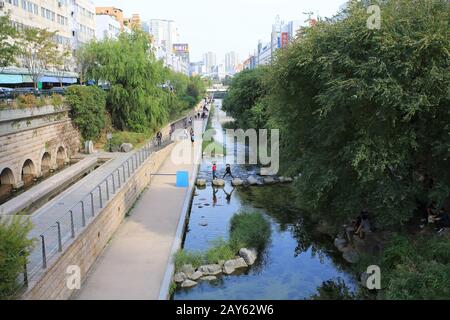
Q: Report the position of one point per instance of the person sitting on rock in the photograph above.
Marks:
(228, 172)
(442, 221)
(364, 226)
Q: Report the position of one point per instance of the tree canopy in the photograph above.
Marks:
(138, 99)
(364, 114)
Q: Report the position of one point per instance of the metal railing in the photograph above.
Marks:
(65, 229)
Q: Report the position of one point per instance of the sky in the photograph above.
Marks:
(221, 26)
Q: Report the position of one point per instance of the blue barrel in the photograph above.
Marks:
(182, 179)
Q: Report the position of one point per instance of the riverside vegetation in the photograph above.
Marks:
(363, 117)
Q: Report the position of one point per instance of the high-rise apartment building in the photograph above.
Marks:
(164, 32)
(209, 61)
(231, 62)
(73, 20)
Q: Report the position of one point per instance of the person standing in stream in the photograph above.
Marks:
(214, 171)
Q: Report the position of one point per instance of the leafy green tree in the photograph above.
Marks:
(135, 100)
(363, 113)
(38, 50)
(247, 89)
(14, 250)
(88, 106)
(8, 50)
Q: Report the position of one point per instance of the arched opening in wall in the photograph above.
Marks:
(46, 164)
(28, 173)
(60, 157)
(6, 183)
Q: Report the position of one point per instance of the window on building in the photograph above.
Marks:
(35, 9)
(24, 4)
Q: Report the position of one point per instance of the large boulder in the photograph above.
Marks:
(286, 179)
(210, 269)
(252, 180)
(188, 284)
(208, 278)
(218, 182)
(269, 180)
(231, 265)
(351, 256)
(340, 244)
(196, 275)
(179, 277)
(249, 255)
(237, 182)
(201, 182)
(126, 147)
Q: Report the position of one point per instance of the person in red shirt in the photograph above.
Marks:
(214, 170)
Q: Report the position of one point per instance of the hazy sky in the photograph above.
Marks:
(225, 25)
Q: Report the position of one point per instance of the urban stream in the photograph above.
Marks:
(297, 260)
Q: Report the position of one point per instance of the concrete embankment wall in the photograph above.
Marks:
(85, 249)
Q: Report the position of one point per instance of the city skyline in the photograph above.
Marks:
(236, 18)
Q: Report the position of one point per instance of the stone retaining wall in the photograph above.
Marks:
(85, 249)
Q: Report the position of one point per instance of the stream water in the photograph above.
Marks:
(298, 262)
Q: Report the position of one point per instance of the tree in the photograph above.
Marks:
(363, 114)
(63, 61)
(8, 49)
(85, 59)
(39, 51)
(14, 250)
(135, 101)
(87, 109)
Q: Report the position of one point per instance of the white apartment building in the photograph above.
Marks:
(106, 27)
(209, 61)
(45, 14)
(73, 20)
(83, 22)
(231, 62)
(164, 32)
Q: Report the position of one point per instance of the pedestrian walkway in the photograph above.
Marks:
(134, 264)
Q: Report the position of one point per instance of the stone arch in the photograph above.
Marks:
(28, 172)
(7, 182)
(61, 156)
(46, 164)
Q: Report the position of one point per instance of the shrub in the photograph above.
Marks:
(221, 250)
(183, 257)
(88, 110)
(251, 230)
(26, 101)
(14, 250)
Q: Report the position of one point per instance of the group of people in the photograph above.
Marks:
(437, 217)
(227, 171)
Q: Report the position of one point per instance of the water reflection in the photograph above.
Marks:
(297, 263)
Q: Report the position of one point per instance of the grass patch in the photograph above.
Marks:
(249, 230)
(135, 138)
(221, 250)
(182, 257)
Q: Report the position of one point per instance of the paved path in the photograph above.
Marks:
(134, 264)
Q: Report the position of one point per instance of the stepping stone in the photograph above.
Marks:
(188, 284)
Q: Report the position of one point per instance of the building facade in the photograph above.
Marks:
(231, 62)
(73, 20)
(210, 62)
(106, 27)
(83, 22)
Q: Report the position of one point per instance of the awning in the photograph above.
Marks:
(10, 78)
(57, 79)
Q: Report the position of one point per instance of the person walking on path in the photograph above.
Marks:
(159, 138)
(214, 171)
(228, 172)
